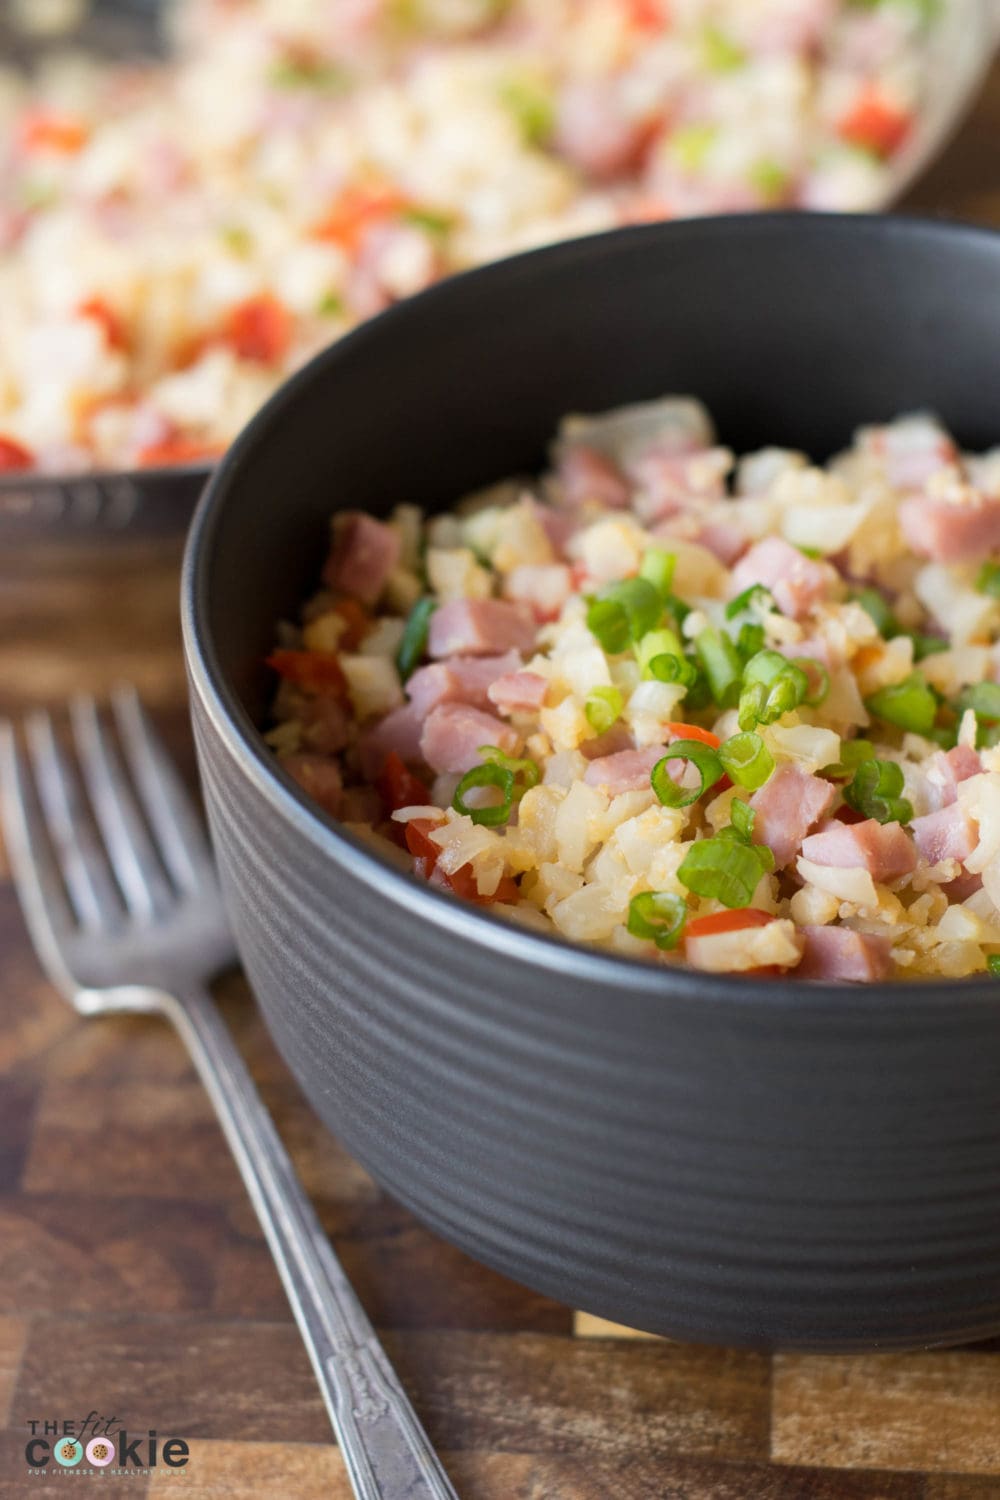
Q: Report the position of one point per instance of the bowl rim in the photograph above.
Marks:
(244, 743)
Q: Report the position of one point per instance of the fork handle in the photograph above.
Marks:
(386, 1451)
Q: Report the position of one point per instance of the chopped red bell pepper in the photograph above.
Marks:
(648, 15)
(875, 123)
(260, 329)
(357, 620)
(398, 787)
(313, 671)
(111, 323)
(50, 130)
(692, 732)
(14, 456)
(357, 209)
(176, 450)
(728, 921)
(463, 881)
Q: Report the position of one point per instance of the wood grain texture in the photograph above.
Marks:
(134, 1279)
(872, 1411)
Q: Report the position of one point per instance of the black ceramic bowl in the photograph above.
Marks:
(725, 1160)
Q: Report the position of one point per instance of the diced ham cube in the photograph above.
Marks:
(945, 769)
(518, 692)
(949, 833)
(363, 554)
(543, 587)
(400, 731)
(796, 581)
(727, 543)
(454, 733)
(595, 132)
(586, 475)
(480, 627)
(790, 803)
(840, 953)
(319, 778)
(618, 737)
(912, 451)
(463, 679)
(558, 525)
(883, 849)
(627, 770)
(963, 886)
(669, 480)
(952, 531)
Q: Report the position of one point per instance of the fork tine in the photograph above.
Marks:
(130, 849)
(36, 875)
(165, 800)
(84, 866)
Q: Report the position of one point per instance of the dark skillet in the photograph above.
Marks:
(733, 1161)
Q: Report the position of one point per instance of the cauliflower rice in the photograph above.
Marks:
(738, 713)
(175, 240)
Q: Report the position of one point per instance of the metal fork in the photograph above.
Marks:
(122, 902)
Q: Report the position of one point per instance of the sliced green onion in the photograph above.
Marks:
(993, 964)
(742, 817)
(719, 52)
(529, 103)
(772, 686)
(414, 642)
(755, 597)
(875, 792)
(432, 221)
(674, 669)
(946, 735)
(875, 607)
(603, 708)
(525, 772)
(746, 760)
(750, 640)
(608, 621)
(624, 612)
(295, 73)
(927, 645)
(657, 643)
(705, 762)
(699, 694)
(657, 567)
(852, 754)
(988, 581)
(659, 917)
(815, 673)
(909, 705)
(983, 699)
(724, 869)
(722, 665)
(766, 667)
(486, 775)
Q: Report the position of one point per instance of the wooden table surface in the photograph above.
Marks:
(134, 1280)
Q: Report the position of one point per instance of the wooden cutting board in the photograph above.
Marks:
(134, 1281)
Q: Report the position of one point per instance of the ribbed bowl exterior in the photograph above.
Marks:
(717, 1160)
(825, 1175)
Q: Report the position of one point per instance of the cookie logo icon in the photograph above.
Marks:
(68, 1452)
(100, 1452)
